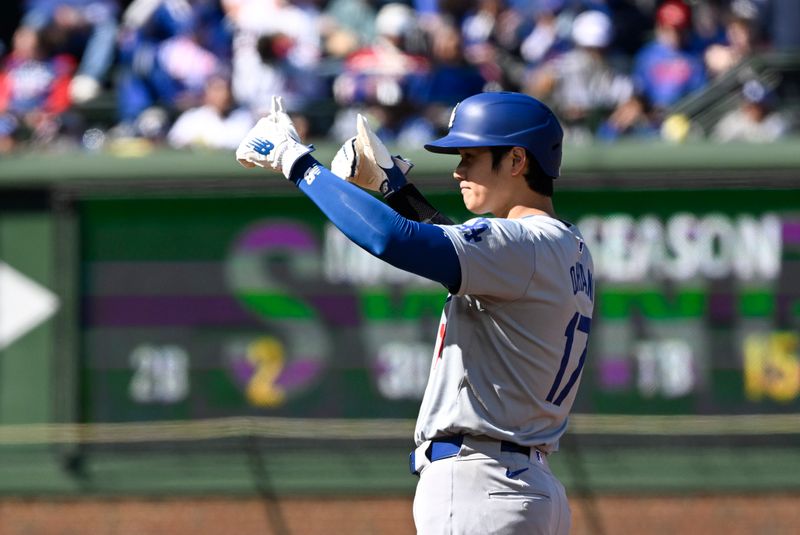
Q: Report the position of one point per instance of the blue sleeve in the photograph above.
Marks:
(408, 245)
(38, 13)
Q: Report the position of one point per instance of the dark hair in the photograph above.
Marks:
(273, 47)
(535, 177)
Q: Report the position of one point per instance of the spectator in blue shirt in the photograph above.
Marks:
(663, 71)
(168, 52)
(451, 78)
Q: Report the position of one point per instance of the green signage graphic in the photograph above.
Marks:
(200, 307)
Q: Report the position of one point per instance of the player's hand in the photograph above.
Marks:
(273, 142)
(365, 161)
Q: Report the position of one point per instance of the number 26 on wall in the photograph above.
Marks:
(577, 323)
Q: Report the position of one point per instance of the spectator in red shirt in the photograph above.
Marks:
(34, 90)
(85, 29)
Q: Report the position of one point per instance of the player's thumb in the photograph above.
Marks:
(374, 147)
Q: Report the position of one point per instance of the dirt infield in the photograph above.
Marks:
(707, 515)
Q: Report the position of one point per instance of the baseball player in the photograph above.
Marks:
(512, 340)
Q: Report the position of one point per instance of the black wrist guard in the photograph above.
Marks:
(411, 204)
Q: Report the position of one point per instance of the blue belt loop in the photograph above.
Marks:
(514, 448)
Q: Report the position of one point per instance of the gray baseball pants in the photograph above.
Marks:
(483, 490)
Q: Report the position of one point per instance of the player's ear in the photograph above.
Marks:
(519, 160)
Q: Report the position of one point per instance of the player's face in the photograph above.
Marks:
(478, 182)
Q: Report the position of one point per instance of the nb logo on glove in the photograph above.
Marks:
(261, 146)
(273, 142)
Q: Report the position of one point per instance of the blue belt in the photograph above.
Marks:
(442, 448)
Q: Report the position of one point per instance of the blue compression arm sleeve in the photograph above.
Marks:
(416, 247)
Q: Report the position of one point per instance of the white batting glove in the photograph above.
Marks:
(365, 161)
(273, 142)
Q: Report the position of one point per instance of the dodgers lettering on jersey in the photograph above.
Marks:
(512, 341)
(582, 280)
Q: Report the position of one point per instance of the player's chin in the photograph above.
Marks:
(470, 203)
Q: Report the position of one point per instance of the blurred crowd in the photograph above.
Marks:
(198, 73)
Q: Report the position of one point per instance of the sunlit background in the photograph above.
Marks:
(187, 347)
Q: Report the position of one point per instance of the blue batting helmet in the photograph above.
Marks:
(504, 119)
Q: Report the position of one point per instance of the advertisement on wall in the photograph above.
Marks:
(199, 308)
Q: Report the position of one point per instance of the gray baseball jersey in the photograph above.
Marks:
(512, 342)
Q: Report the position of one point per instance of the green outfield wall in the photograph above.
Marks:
(172, 323)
